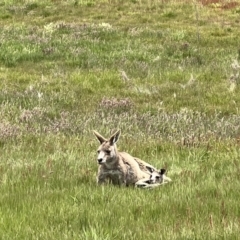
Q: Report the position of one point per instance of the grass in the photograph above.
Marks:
(61, 76)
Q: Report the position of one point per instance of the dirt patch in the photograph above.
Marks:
(220, 3)
(208, 2)
(230, 5)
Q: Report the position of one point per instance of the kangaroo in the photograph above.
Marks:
(156, 178)
(119, 168)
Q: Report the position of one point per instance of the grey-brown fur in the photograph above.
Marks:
(119, 168)
(144, 166)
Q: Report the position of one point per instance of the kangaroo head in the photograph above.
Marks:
(157, 176)
(107, 151)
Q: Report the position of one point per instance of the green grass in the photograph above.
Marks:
(60, 78)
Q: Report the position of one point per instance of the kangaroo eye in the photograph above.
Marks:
(108, 152)
(157, 177)
(98, 151)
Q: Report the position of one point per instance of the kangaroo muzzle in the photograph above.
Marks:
(100, 160)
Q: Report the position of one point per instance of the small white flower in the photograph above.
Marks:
(39, 94)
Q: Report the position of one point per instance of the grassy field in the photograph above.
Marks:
(164, 72)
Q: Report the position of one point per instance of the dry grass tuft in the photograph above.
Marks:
(30, 115)
(116, 103)
(8, 130)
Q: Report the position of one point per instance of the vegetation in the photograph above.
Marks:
(164, 72)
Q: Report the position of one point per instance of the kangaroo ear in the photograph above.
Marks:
(114, 138)
(100, 138)
(151, 170)
(162, 171)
